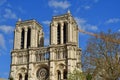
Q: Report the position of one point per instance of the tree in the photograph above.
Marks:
(88, 76)
(76, 75)
(101, 57)
(11, 78)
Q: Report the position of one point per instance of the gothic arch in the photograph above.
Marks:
(58, 33)
(20, 76)
(58, 75)
(65, 74)
(26, 76)
(65, 33)
(22, 38)
(21, 71)
(60, 66)
(28, 37)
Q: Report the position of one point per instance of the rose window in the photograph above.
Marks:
(42, 73)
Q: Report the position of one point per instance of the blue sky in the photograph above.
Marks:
(91, 15)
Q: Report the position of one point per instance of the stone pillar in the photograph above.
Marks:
(77, 37)
(70, 61)
(62, 74)
(61, 35)
(23, 76)
(74, 34)
(32, 56)
(52, 71)
(25, 38)
(32, 37)
(51, 33)
(15, 62)
(13, 58)
(17, 38)
(55, 34)
(69, 32)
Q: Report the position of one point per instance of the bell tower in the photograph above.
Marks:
(64, 51)
(28, 34)
(63, 30)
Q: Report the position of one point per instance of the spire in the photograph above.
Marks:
(19, 19)
(68, 12)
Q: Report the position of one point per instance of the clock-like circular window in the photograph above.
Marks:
(42, 74)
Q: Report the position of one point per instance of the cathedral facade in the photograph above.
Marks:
(32, 61)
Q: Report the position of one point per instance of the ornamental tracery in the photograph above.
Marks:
(42, 74)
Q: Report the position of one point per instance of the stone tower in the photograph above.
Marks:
(32, 61)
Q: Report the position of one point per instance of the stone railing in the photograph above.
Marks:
(42, 54)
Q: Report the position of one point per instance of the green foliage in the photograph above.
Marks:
(11, 78)
(76, 75)
(88, 76)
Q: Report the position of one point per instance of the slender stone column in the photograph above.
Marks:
(13, 58)
(17, 39)
(61, 35)
(75, 39)
(62, 75)
(23, 76)
(55, 34)
(73, 36)
(25, 38)
(69, 32)
(51, 33)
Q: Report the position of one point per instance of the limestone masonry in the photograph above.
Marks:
(32, 61)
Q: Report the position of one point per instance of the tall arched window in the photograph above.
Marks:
(58, 33)
(28, 37)
(26, 77)
(20, 76)
(22, 38)
(65, 74)
(59, 75)
(65, 32)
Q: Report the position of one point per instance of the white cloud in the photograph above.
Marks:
(93, 27)
(2, 41)
(2, 2)
(82, 23)
(6, 29)
(21, 10)
(87, 7)
(46, 22)
(113, 20)
(59, 4)
(9, 14)
(119, 30)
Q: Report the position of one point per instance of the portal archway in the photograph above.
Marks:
(58, 75)
(20, 77)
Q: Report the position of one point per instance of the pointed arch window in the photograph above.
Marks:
(26, 77)
(20, 76)
(22, 38)
(58, 33)
(28, 37)
(65, 32)
(59, 75)
(65, 74)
